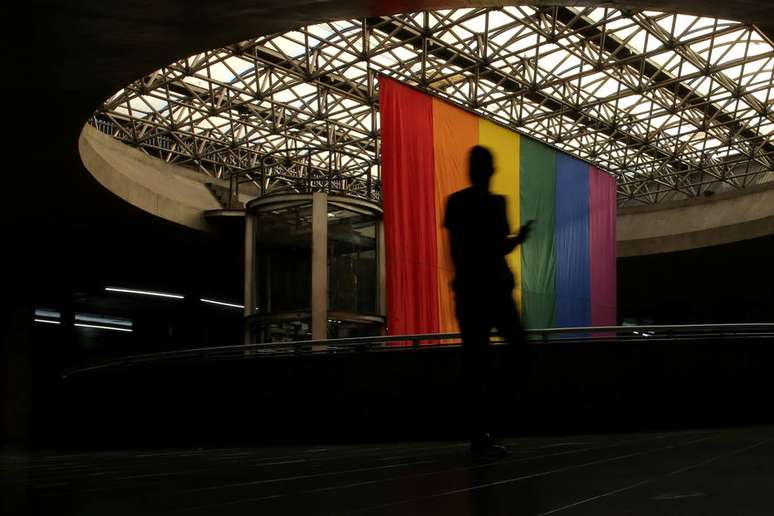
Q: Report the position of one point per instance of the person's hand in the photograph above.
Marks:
(525, 230)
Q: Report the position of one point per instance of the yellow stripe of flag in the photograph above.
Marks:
(504, 145)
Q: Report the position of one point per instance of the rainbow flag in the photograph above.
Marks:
(566, 270)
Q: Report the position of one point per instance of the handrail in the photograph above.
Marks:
(381, 343)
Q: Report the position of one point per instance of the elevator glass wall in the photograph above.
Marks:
(296, 290)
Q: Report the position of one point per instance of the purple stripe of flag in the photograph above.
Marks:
(602, 248)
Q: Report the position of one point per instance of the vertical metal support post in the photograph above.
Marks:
(381, 272)
(230, 190)
(262, 179)
(319, 296)
(250, 279)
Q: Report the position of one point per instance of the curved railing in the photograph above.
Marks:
(429, 341)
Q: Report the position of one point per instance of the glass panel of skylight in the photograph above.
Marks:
(138, 107)
(238, 64)
(551, 58)
(526, 41)
(284, 95)
(616, 22)
(457, 34)
(384, 60)
(665, 59)
(637, 41)
(321, 31)
(762, 95)
(498, 19)
(196, 60)
(571, 66)
(476, 24)
(287, 46)
(504, 36)
(701, 85)
(456, 14)
(121, 110)
(765, 129)
(197, 83)
(628, 101)
(334, 57)
(727, 53)
(598, 14)
(608, 88)
(758, 45)
(702, 27)
(220, 73)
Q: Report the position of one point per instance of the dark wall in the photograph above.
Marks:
(62, 233)
(720, 284)
(63, 238)
(573, 388)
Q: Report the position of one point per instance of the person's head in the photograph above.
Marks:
(481, 166)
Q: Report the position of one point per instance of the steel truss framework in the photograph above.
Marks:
(675, 106)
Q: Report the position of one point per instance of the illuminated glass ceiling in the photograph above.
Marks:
(675, 106)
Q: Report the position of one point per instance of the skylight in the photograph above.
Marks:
(673, 105)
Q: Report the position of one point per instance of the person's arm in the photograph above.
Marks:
(511, 241)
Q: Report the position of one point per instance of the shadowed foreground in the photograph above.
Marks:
(707, 472)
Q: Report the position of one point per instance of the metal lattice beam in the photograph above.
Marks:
(675, 106)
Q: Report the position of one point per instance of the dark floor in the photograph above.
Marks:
(702, 472)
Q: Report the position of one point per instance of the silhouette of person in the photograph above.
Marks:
(483, 285)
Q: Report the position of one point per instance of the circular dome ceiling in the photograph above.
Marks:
(675, 106)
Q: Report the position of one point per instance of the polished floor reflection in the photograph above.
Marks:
(707, 472)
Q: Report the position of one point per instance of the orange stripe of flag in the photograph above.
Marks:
(454, 132)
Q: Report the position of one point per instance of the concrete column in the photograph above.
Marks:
(319, 296)
(250, 284)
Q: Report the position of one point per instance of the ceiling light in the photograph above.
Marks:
(98, 326)
(144, 292)
(221, 303)
(46, 321)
